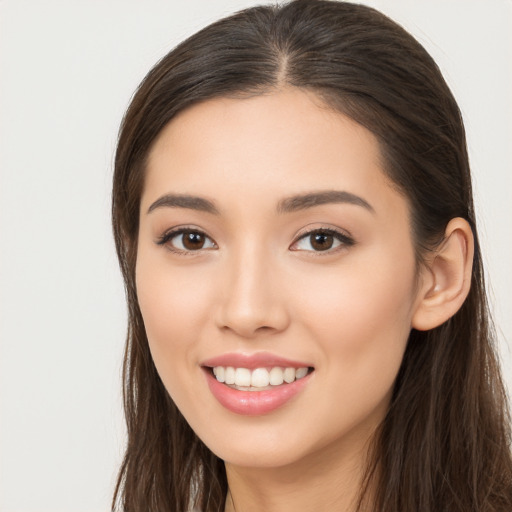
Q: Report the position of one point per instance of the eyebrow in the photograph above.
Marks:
(287, 205)
(310, 200)
(184, 201)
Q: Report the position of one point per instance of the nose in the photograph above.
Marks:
(253, 299)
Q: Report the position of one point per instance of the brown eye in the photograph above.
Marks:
(187, 240)
(193, 241)
(321, 241)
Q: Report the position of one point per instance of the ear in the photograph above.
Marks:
(446, 277)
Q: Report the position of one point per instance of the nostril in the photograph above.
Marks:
(264, 328)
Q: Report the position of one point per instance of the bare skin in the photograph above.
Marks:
(255, 280)
(332, 481)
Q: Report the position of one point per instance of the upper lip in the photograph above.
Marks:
(252, 361)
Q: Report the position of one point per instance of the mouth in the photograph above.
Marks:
(258, 379)
(255, 384)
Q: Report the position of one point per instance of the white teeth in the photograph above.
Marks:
(276, 376)
(301, 372)
(219, 373)
(259, 377)
(289, 375)
(229, 375)
(242, 377)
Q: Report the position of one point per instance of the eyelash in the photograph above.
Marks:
(173, 233)
(343, 239)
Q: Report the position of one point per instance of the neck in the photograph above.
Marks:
(328, 480)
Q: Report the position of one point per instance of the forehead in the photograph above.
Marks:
(266, 146)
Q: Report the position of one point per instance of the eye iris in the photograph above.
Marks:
(193, 241)
(321, 241)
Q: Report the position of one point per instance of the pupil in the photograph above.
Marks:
(193, 241)
(321, 241)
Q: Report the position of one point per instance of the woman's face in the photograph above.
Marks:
(270, 238)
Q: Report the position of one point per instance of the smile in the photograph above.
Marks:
(255, 384)
(258, 379)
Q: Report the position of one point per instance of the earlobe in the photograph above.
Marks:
(447, 284)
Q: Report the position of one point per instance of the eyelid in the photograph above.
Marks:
(345, 239)
(169, 234)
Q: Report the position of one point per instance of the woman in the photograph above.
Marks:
(308, 328)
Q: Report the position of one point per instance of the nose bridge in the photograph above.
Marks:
(252, 300)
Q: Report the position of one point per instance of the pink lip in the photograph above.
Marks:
(254, 403)
(252, 361)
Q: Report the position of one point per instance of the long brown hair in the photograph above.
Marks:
(445, 442)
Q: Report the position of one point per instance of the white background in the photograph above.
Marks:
(67, 71)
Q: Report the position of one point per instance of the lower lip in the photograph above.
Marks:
(254, 403)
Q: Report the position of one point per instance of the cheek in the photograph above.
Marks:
(174, 304)
(361, 317)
